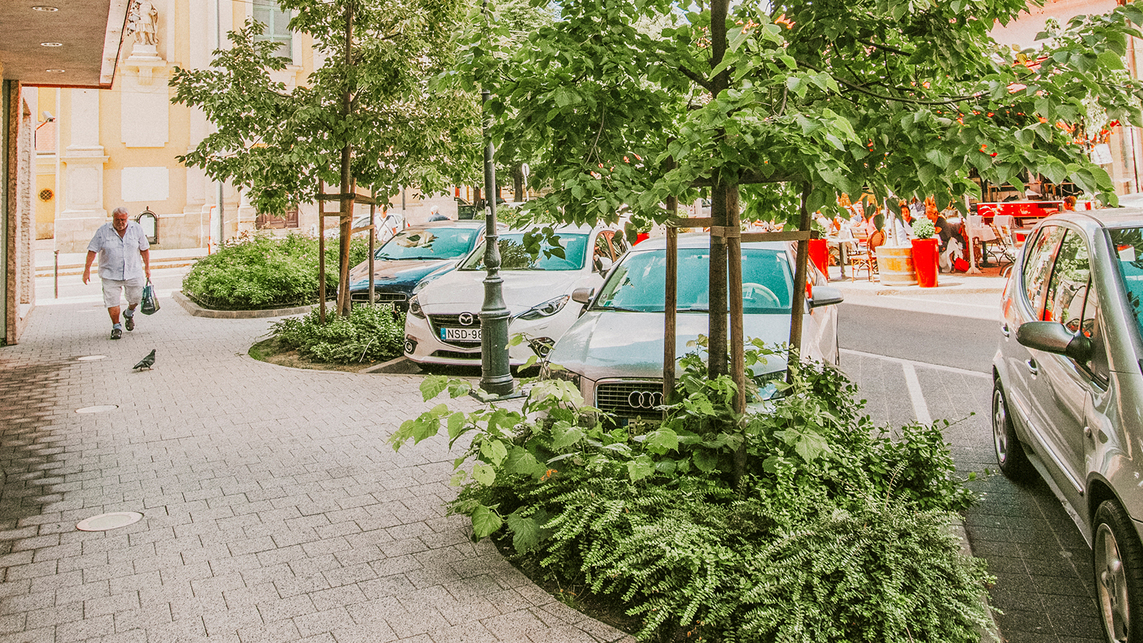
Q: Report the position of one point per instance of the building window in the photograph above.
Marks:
(277, 21)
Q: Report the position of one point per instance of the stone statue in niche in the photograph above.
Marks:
(143, 19)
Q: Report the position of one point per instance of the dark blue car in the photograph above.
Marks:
(410, 256)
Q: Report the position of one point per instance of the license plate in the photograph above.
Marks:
(461, 335)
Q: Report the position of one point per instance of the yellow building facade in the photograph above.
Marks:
(100, 149)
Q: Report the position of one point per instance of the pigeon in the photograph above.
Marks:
(147, 362)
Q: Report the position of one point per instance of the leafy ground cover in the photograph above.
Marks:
(258, 272)
(370, 334)
(830, 530)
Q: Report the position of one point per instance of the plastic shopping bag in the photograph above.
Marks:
(150, 304)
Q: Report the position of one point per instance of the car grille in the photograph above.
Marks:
(398, 299)
(436, 322)
(630, 399)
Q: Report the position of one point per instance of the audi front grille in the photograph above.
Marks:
(630, 399)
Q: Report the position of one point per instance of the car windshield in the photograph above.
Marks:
(430, 243)
(637, 284)
(1128, 245)
(515, 256)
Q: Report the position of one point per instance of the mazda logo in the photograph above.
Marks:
(645, 399)
(465, 319)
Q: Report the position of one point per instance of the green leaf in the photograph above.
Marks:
(433, 385)
(565, 435)
(520, 461)
(640, 467)
(456, 424)
(485, 521)
(705, 461)
(494, 450)
(662, 440)
(483, 473)
(525, 533)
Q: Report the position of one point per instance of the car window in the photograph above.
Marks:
(434, 243)
(1038, 266)
(1068, 288)
(515, 256)
(619, 244)
(639, 282)
(1128, 245)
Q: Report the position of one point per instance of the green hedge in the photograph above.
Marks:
(261, 272)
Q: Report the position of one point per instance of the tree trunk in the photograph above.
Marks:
(347, 183)
(518, 184)
(717, 348)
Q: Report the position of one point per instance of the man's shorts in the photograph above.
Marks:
(132, 289)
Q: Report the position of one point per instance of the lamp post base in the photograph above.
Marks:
(486, 397)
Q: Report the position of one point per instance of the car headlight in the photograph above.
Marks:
(546, 309)
(415, 308)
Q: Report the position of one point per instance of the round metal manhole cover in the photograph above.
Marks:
(104, 522)
(90, 358)
(98, 409)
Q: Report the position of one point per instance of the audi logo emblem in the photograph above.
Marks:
(465, 319)
(645, 399)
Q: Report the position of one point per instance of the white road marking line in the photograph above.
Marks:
(920, 408)
(937, 367)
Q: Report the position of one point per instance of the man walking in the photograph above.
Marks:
(121, 245)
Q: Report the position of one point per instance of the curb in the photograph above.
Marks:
(956, 526)
(198, 311)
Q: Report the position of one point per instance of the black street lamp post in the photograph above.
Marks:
(496, 375)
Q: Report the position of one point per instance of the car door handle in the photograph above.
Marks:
(1004, 330)
(1033, 368)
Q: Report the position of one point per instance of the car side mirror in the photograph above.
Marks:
(603, 264)
(583, 295)
(825, 296)
(1053, 337)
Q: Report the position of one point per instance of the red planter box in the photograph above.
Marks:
(925, 258)
(819, 254)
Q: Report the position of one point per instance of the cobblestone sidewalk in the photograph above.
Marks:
(273, 508)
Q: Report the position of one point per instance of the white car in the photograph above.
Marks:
(443, 324)
(614, 352)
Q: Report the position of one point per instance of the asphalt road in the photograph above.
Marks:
(910, 365)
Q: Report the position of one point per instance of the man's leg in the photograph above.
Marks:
(111, 290)
(133, 291)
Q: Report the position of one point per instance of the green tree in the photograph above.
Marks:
(629, 102)
(372, 115)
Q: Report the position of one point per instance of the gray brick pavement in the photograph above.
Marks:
(274, 509)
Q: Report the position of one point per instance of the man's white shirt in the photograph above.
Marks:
(119, 257)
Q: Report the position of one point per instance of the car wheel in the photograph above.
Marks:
(1009, 452)
(1117, 560)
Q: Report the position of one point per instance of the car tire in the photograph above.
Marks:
(1010, 454)
(1117, 563)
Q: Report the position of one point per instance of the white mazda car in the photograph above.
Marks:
(443, 324)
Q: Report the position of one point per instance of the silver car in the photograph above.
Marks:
(1068, 391)
(614, 351)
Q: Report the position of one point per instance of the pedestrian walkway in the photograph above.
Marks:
(273, 508)
(71, 263)
(957, 294)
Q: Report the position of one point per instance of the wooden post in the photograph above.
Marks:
(670, 303)
(321, 255)
(798, 301)
(734, 298)
(372, 244)
(717, 297)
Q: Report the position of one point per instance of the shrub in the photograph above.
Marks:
(370, 333)
(832, 532)
(260, 271)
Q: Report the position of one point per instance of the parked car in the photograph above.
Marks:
(443, 324)
(1067, 390)
(387, 226)
(412, 255)
(614, 351)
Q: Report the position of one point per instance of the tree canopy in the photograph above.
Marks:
(625, 102)
(276, 142)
